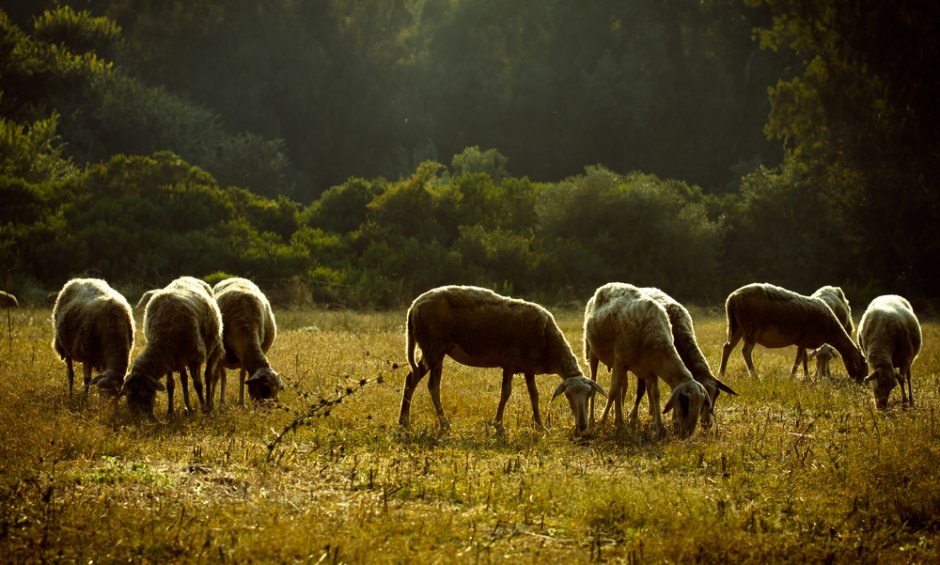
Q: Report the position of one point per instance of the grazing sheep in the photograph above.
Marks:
(184, 329)
(7, 300)
(479, 328)
(683, 336)
(248, 330)
(627, 329)
(776, 317)
(835, 299)
(823, 355)
(93, 325)
(890, 336)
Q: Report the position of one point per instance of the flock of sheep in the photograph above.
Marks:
(648, 333)
(188, 325)
(191, 326)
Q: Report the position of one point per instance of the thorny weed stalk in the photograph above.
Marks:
(318, 406)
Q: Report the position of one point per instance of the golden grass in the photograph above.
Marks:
(796, 471)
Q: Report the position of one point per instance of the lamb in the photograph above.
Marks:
(627, 329)
(776, 317)
(94, 325)
(889, 334)
(183, 326)
(823, 355)
(835, 299)
(8, 300)
(479, 328)
(248, 330)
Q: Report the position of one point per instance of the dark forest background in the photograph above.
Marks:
(353, 152)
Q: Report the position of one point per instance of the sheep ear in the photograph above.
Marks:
(559, 391)
(598, 388)
(723, 387)
(870, 377)
(253, 378)
(157, 385)
(670, 403)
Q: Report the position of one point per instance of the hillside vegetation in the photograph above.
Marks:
(346, 155)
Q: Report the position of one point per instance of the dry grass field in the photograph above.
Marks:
(796, 470)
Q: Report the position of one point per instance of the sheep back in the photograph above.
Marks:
(622, 323)
(889, 331)
(93, 325)
(837, 302)
(183, 326)
(245, 311)
(481, 328)
(752, 307)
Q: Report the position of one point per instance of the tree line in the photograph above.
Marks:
(303, 144)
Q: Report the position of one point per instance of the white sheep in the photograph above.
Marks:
(837, 302)
(248, 330)
(8, 300)
(775, 317)
(628, 330)
(823, 355)
(479, 328)
(683, 337)
(183, 327)
(890, 335)
(94, 325)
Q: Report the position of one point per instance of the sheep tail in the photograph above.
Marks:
(410, 341)
(731, 308)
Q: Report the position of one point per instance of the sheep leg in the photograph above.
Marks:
(70, 371)
(504, 392)
(618, 384)
(652, 392)
(907, 400)
(197, 384)
(534, 398)
(411, 383)
(210, 384)
(184, 382)
(86, 368)
(800, 355)
(220, 379)
(640, 391)
(242, 375)
(612, 396)
(726, 350)
(434, 387)
(746, 352)
(170, 387)
(592, 362)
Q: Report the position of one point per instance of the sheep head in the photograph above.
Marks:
(579, 390)
(264, 384)
(856, 366)
(688, 399)
(885, 380)
(109, 384)
(141, 391)
(713, 388)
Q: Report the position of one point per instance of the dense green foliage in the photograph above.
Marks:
(307, 145)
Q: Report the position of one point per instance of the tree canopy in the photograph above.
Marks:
(363, 152)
